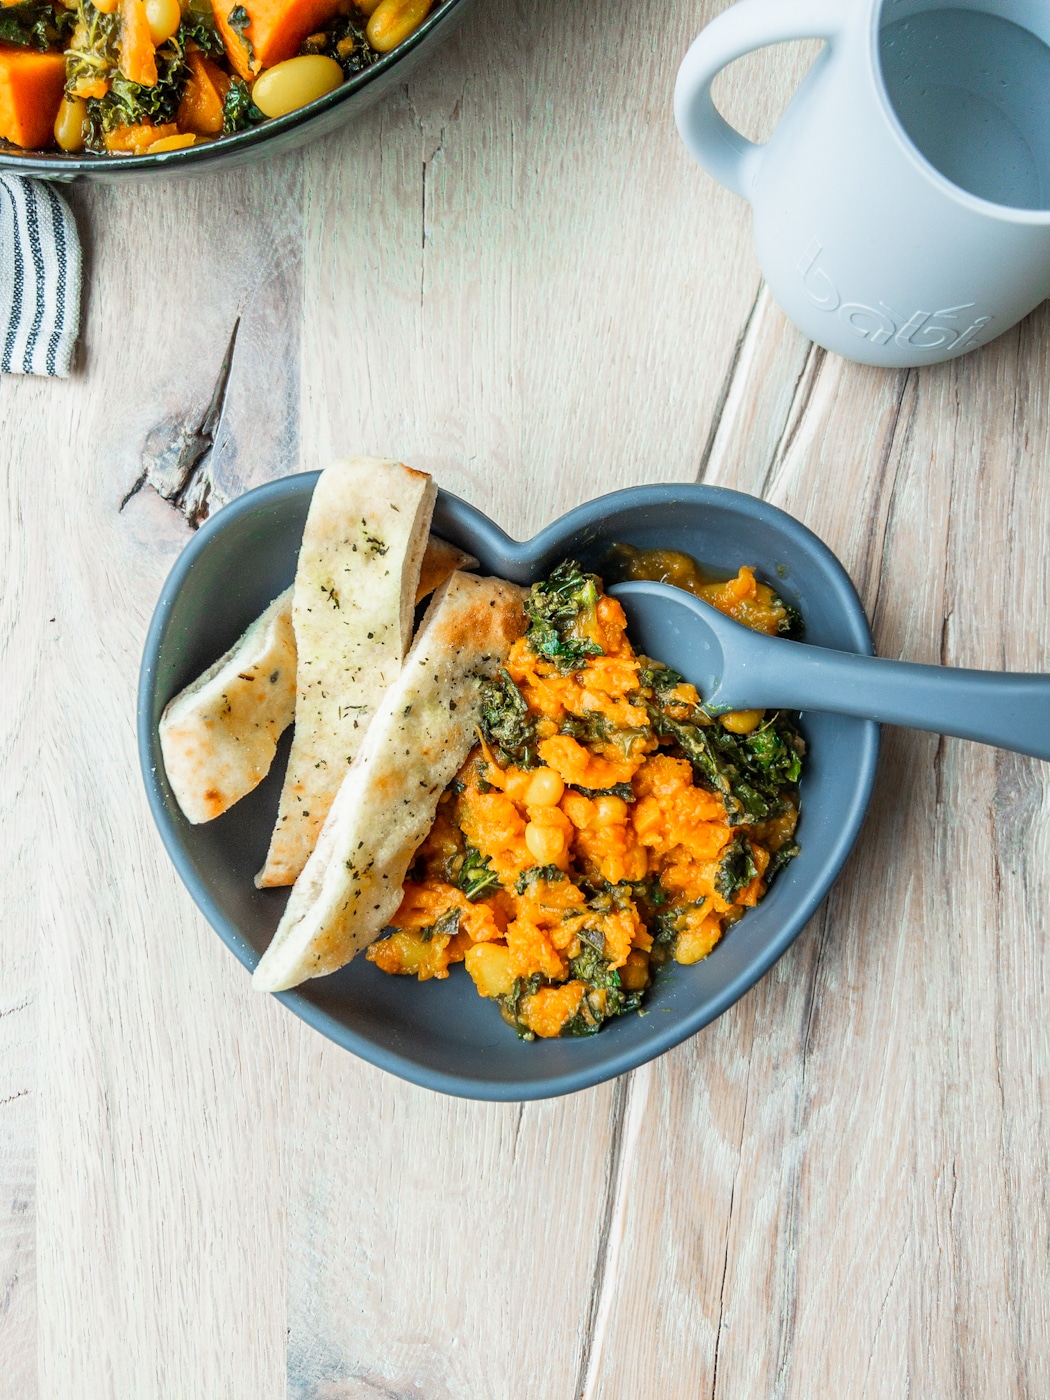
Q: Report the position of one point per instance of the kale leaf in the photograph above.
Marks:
(594, 728)
(34, 25)
(345, 41)
(94, 49)
(510, 1003)
(736, 869)
(776, 749)
(238, 109)
(593, 938)
(790, 625)
(448, 924)
(476, 877)
(131, 104)
(506, 724)
(591, 728)
(589, 966)
(664, 927)
(660, 679)
(611, 898)
(557, 609)
(621, 790)
(239, 19)
(605, 996)
(199, 27)
(750, 771)
(538, 872)
(780, 859)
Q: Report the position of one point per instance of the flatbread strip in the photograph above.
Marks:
(219, 735)
(355, 589)
(419, 738)
(440, 560)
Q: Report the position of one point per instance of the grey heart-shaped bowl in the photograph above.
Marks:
(442, 1035)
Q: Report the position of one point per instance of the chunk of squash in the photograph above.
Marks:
(31, 87)
(491, 967)
(138, 56)
(177, 142)
(137, 140)
(272, 32)
(201, 107)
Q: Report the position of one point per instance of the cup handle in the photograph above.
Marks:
(748, 25)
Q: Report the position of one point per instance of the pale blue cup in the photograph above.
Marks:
(902, 206)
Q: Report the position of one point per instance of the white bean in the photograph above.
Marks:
(292, 84)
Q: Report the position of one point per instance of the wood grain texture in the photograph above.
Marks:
(512, 275)
(157, 1132)
(539, 297)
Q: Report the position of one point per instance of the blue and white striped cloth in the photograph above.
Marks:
(39, 279)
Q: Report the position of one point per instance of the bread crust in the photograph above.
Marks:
(440, 560)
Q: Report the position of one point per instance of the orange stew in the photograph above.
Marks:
(127, 77)
(742, 598)
(604, 823)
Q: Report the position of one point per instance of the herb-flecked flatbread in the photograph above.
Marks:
(219, 735)
(352, 610)
(420, 736)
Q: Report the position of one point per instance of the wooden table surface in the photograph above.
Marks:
(512, 275)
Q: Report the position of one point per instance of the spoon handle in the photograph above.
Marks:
(1009, 710)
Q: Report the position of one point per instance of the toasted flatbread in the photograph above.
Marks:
(419, 738)
(219, 735)
(218, 743)
(440, 560)
(352, 610)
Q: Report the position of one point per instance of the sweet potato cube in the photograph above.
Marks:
(138, 59)
(274, 29)
(200, 110)
(31, 86)
(137, 140)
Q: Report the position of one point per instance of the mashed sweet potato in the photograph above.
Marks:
(604, 823)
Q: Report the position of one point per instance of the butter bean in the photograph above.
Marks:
(394, 20)
(545, 788)
(490, 965)
(69, 124)
(292, 84)
(546, 844)
(163, 18)
(610, 810)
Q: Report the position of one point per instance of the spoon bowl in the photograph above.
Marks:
(694, 639)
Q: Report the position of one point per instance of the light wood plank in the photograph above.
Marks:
(23, 627)
(160, 1092)
(416, 1228)
(518, 312)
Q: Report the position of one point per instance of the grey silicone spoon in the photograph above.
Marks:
(737, 669)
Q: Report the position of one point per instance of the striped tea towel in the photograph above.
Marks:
(39, 279)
